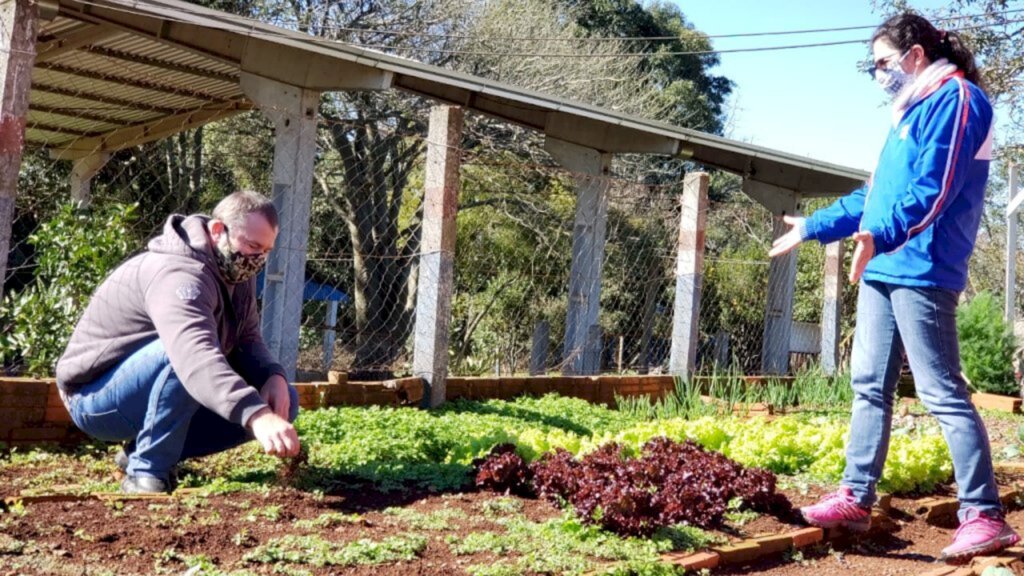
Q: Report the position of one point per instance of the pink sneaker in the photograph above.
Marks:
(979, 534)
(839, 509)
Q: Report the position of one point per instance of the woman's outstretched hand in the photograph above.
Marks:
(862, 254)
(791, 239)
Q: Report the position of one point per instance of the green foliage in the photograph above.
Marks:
(987, 344)
(316, 551)
(567, 546)
(75, 251)
(692, 97)
(436, 520)
(392, 448)
(327, 520)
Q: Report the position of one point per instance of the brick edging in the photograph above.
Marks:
(759, 547)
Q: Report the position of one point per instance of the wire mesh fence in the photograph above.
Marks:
(553, 267)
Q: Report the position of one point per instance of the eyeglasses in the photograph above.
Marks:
(886, 62)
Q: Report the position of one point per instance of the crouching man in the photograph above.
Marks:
(168, 354)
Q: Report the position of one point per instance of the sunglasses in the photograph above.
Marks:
(885, 63)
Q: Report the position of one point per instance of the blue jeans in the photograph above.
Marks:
(142, 399)
(924, 320)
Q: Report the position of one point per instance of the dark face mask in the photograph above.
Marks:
(235, 266)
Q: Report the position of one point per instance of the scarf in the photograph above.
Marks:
(924, 85)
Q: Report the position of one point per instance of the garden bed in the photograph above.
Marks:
(385, 492)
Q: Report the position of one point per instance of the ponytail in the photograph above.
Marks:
(905, 30)
(952, 48)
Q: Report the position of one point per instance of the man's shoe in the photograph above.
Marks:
(144, 485)
(979, 534)
(838, 510)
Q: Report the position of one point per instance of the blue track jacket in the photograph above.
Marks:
(925, 199)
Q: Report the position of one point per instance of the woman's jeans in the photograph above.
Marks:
(924, 319)
(142, 399)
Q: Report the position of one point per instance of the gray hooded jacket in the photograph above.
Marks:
(175, 292)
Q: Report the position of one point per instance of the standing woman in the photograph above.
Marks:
(915, 225)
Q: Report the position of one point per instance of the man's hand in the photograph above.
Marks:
(275, 394)
(791, 239)
(275, 434)
(862, 254)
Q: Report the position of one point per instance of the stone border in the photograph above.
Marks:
(751, 549)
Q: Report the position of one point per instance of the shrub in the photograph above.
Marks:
(75, 251)
(986, 345)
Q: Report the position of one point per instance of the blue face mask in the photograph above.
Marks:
(893, 79)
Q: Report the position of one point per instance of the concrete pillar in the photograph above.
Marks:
(293, 111)
(539, 349)
(689, 274)
(82, 172)
(437, 256)
(778, 315)
(591, 169)
(330, 333)
(832, 309)
(19, 22)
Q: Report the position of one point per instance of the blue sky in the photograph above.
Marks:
(812, 102)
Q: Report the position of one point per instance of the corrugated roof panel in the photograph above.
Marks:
(146, 98)
(57, 27)
(148, 48)
(70, 124)
(80, 107)
(35, 136)
(203, 88)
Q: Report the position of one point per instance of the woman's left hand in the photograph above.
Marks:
(863, 254)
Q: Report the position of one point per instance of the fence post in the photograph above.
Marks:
(19, 22)
(1013, 202)
(293, 111)
(588, 240)
(437, 258)
(832, 309)
(689, 274)
(539, 349)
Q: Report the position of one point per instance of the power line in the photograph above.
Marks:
(255, 31)
(631, 54)
(426, 35)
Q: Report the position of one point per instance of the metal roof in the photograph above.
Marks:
(115, 73)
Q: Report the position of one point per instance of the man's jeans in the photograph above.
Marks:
(924, 319)
(142, 399)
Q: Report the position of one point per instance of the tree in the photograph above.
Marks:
(369, 174)
(690, 95)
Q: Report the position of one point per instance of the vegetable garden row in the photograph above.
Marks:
(532, 485)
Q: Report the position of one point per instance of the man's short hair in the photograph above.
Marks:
(236, 207)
